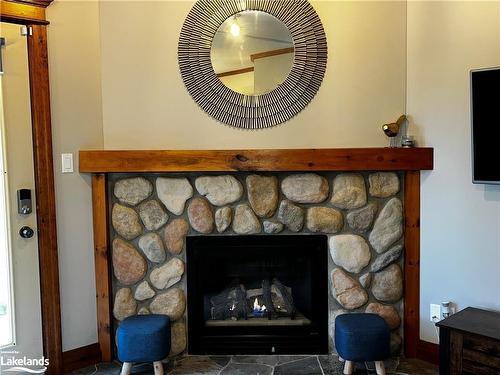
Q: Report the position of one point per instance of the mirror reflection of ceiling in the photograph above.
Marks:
(252, 52)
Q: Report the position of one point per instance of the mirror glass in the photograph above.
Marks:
(252, 52)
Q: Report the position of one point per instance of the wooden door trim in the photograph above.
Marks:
(33, 14)
(46, 201)
(22, 13)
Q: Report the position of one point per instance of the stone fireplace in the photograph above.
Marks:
(155, 217)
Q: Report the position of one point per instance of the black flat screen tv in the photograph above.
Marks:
(485, 123)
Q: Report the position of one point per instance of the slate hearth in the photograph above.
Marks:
(265, 365)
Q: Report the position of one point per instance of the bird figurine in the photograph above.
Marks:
(391, 130)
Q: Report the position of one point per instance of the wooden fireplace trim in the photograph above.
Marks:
(411, 161)
(333, 159)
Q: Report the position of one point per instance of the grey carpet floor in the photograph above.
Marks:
(264, 365)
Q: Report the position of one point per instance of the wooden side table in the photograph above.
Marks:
(470, 343)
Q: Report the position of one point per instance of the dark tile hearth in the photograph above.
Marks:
(246, 369)
(304, 366)
(265, 365)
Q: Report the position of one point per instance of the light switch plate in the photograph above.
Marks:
(67, 163)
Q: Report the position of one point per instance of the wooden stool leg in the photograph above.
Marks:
(158, 366)
(126, 368)
(380, 368)
(348, 367)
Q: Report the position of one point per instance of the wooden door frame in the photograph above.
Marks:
(32, 13)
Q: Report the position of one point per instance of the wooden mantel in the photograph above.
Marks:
(409, 160)
(340, 159)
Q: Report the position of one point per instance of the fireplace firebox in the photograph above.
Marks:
(257, 294)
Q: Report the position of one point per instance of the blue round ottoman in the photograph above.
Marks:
(143, 338)
(362, 338)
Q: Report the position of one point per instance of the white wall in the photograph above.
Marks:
(146, 106)
(460, 237)
(133, 47)
(74, 68)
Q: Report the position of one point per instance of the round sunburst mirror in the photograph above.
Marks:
(252, 64)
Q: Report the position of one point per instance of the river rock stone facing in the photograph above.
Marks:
(143, 311)
(171, 303)
(219, 190)
(383, 184)
(223, 218)
(389, 313)
(291, 215)
(173, 193)
(245, 221)
(387, 285)
(349, 191)
(125, 221)
(396, 342)
(263, 194)
(388, 227)
(324, 219)
(350, 252)
(175, 234)
(144, 291)
(361, 219)
(128, 265)
(333, 314)
(365, 280)
(200, 215)
(152, 246)
(305, 188)
(347, 291)
(387, 258)
(124, 304)
(167, 275)
(152, 215)
(178, 338)
(133, 190)
(273, 226)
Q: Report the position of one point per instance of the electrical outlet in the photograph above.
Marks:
(435, 312)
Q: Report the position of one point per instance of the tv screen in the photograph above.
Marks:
(485, 117)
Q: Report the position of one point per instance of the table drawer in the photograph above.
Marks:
(480, 355)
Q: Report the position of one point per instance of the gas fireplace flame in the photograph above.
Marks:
(257, 307)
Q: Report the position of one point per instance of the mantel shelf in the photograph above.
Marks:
(336, 159)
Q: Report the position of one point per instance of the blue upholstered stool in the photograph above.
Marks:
(362, 338)
(143, 338)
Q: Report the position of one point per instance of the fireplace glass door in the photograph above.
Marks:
(257, 294)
